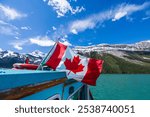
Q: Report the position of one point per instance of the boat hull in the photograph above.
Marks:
(36, 85)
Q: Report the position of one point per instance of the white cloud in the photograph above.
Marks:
(16, 37)
(8, 29)
(74, 31)
(54, 28)
(18, 47)
(147, 13)
(78, 10)
(63, 6)
(119, 15)
(114, 14)
(41, 41)
(10, 13)
(81, 25)
(128, 9)
(61, 32)
(66, 36)
(67, 43)
(145, 18)
(38, 40)
(18, 44)
(25, 28)
(1, 49)
(89, 43)
(89, 22)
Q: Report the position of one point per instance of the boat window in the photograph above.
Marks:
(55, 97)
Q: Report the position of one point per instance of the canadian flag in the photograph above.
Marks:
(83, 69)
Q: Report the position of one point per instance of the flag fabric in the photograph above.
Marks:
(83, 69)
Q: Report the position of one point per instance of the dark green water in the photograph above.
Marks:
(122, 87)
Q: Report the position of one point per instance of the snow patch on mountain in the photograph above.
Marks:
(143, 45)
(38, 53)
(120, 54)
(118, 50)
(9, 54)
(140, 46)
(8, 58)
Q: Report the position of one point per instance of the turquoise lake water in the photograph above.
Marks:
(122, 87)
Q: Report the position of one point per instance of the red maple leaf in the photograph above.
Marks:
(74, 66)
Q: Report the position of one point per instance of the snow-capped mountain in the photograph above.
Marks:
(37, 53)
(143, 45)
(1, 50)
(140, 46)
(8, 58)
(8, 53)
(123, 51)
(36, 56)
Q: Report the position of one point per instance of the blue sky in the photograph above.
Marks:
(28, 25)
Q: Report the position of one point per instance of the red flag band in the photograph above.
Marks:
(56, 57)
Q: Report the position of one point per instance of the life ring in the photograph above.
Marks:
(25, 66)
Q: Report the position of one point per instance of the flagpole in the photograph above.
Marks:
(39, 67)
